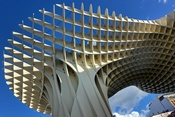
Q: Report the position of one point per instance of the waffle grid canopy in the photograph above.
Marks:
(69, 63)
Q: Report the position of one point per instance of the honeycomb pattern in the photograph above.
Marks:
(121, 51)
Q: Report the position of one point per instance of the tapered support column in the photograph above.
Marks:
(70, 62)
(83, 101)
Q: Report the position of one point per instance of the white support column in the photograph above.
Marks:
(77, 84)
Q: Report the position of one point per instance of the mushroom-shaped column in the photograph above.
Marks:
(68, 63)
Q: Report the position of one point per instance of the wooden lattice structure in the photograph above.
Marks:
(67, 64)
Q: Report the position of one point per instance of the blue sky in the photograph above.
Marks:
(12, 12)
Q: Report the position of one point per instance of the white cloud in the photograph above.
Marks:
(143, 113)
(132, 114)
(94, 43)
(164, 1)
(126, 99)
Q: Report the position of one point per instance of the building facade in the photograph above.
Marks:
(162, 105)
(165, 114)
(69, 63)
